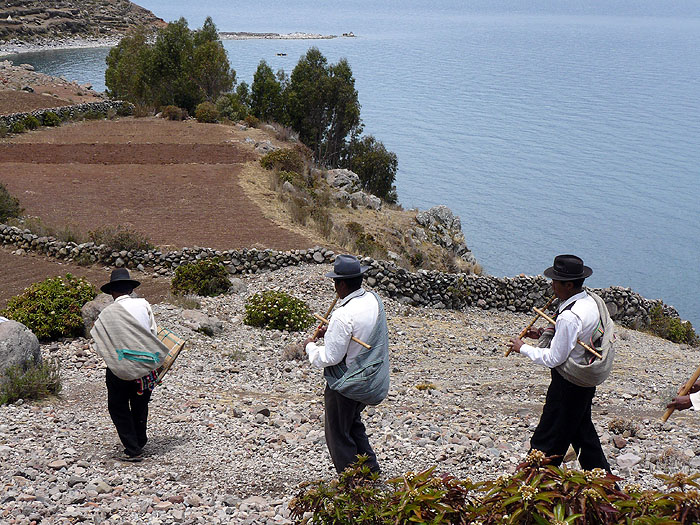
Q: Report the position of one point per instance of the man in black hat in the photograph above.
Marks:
(566, 416)
(127, 400)
(359, 314)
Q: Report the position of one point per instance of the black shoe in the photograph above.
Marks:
(130, 459)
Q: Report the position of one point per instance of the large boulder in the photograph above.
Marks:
(91, 311)
(201, 322)
(442, 227)
(364, 200)
(18, 346)
(342, 179)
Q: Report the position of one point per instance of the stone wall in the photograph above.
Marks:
(72, 112)
(422, 288)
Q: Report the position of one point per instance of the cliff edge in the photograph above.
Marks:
(39, 20)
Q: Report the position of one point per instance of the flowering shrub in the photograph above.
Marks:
(51, 308)
(277, 311)
(207, 277)
(537, 493)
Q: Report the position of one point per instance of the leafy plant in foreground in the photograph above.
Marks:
(51, 308)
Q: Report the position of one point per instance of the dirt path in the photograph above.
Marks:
(19, 271)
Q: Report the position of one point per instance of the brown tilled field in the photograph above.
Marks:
(175, 182)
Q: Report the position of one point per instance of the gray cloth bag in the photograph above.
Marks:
(130, 351)
(366, 380)
(594, 373)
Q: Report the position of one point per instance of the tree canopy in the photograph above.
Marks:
(180, 67)
(375, 166)
(323, 105)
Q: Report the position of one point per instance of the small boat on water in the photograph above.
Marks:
(281, 54)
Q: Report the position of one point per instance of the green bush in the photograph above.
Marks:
(120, 238)
(36, 382)
(294, 178)
(375, 166)
(51, 308)
(233, 106)
(9, 205)
(93, 115)
(672, 328)
(283, 160)
(277, 311)
(536, 494)
(206, 112)
(31, 122)
(51, 119)
(18, 127)
(207, 277)
(173, 113)
(4, 130)
(252, 121)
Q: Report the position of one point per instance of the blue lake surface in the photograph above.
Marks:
(548, 127)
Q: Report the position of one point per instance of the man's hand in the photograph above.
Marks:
(680, 403)
(694, 388)
(321, 332)
(515, 344)
(533, 333)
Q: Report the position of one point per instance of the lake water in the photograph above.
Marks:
(548, 127)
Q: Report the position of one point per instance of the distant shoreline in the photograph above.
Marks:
(14, 47)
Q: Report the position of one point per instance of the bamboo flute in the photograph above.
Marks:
(683, 391)
(325, 321)
(326, 316)
(524, 331)
(588, 348)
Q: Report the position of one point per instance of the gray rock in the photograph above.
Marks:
(238, 286)
(18, 345)
(91, 311)
(628, 460)
(343, 179)
(264, 147)
(362, 199)
(201, 322)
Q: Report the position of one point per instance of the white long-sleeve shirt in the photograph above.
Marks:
(141, 310)
(571, 325)
(695, 400)
(355, 317)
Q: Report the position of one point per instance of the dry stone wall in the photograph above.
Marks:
(75, 112)
(422, 288)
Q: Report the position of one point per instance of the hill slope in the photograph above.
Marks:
(32, 20)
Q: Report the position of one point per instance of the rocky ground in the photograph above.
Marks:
(23, 89)
(235, 427)
(41, 21)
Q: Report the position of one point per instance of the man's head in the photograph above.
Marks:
(567, 273)
(347, 274)
(120, 283)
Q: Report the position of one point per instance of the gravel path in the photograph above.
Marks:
(215, 456)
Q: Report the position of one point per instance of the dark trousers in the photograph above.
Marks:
(129, 412)
(566, 420)
(345, 434)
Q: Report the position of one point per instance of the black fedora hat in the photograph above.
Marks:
(120, 275)
(567, 268)
(346, 267)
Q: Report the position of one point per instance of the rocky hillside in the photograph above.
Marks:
(37, 20)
